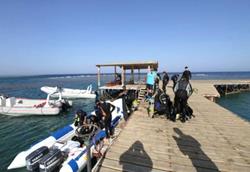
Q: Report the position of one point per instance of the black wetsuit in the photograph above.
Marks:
(174, 78)
(187, 74)
(165, 80)
(108, 109)
(181, 98)
(156, 84)
(99, 120)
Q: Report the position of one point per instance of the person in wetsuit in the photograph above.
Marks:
(174, 78)
(157, 82)
(186, 74)
(165, 80)
(182, 90)
(80, 118)
(106, 110)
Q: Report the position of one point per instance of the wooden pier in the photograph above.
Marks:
(214, 140)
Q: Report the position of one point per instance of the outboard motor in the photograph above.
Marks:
(32, 160)
(51, 161)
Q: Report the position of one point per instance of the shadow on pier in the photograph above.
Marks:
(136, 159)
(194, 152)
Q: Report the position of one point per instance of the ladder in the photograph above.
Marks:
(142, 93)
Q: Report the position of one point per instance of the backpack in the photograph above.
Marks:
(183, 84)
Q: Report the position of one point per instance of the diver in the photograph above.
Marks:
(80, 118)
(98, 113)
(162, 104)
(106, 110)
(84, 122)
(182, 90)
(79, 121)
(187, 74)
(156, 83)
(174, 78)
(165, 80)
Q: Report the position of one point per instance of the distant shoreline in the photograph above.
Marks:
(110, 73)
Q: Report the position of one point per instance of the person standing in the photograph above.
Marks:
(106, 110)
(182, 90)
(165, 80)
(174, 78)
(151, 75)
(187, 74)
(157, 82)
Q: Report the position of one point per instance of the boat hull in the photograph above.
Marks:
(69, 93)
(24, 107)
(25, 111)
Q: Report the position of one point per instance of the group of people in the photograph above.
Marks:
(161, 101)
(161, 104)
(102, 119)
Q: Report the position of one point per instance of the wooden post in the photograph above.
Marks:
(139, 75)
(132, 74)
(123, 76)
(149, 68)
(98, 76)
(115, 71)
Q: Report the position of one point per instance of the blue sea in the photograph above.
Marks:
(18, 133)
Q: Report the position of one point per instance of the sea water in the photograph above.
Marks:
(19, 133)
(238, 103)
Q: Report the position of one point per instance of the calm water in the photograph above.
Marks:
(237, 103)
(18, 133)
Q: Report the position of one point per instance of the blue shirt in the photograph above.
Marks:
(151, 77)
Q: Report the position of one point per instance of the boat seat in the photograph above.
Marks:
(70, 145)
(58, 145)
(11, 101)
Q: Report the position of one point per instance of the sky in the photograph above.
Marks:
(71, 36)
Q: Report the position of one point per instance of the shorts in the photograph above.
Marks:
(149, 86)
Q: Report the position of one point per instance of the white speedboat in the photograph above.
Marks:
(70, 93)
(59, 151)
(23, 107)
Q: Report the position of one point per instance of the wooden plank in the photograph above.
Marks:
(215, 140)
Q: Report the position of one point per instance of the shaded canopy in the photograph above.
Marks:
(135, 65)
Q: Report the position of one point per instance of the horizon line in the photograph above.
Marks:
(34, 75)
